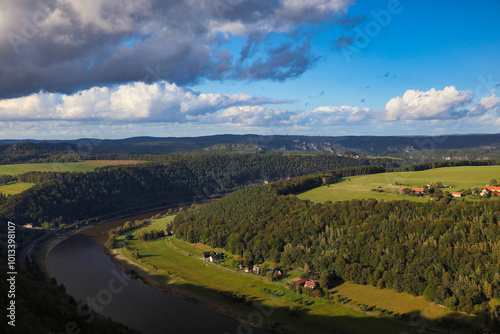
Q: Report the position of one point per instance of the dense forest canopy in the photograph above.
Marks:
(64, 197)
(448, 251)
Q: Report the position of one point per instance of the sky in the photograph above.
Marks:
(112, 69)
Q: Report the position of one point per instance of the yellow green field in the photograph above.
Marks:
(84, 166)
(15, 188)
(209, 282)
(359, 187)
(397, 302)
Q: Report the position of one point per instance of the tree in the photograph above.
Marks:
(323, 281)
(306, 269)
(493, 182)
(430, 292)
(248, 257)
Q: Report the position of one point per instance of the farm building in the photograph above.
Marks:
(300, 282)
(418, 190)
(456, 194)
(493, 190)
(310, 284)
(217, 256)
(212, 257)
(402, 191)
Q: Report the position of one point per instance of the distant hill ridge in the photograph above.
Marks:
(373, 145)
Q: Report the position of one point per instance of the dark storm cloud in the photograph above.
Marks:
(68, 45)
(282, 63)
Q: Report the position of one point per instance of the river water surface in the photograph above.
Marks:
(80, 263)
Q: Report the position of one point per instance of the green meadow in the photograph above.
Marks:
(83, 166)
(15, 188)
(173, 270)
(360, 187)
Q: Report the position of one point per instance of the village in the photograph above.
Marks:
(434, 190)
(272, 273)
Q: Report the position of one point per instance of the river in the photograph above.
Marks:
(80, 263)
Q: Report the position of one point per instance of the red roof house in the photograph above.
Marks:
(310, 284)
(456, 194)
(494, 190)
(491, 189)
(418, 190)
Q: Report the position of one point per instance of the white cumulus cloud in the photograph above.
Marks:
(487, 104)
(431, 104)
(137, 102)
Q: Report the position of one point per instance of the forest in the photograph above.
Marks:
(59, 198)
(447, 251)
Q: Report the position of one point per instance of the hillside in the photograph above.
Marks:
(413, 148)
(446, 251)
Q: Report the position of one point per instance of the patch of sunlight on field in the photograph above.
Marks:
(84, 166)
(393, 301)
(158, 224)
(15, 188)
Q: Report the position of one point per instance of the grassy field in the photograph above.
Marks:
(15, 188)
(180, 271)
(359, 187)
(84, 166)
(397, 302)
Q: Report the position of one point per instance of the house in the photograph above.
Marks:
(30, 225)
(493, 190)
(248, 269)
(216, 256)
(257, 270)
(456, 194)
(418, 190)
(300, 282)
(310, 284)
(205, 255)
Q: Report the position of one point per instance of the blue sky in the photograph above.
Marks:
(330, 67)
